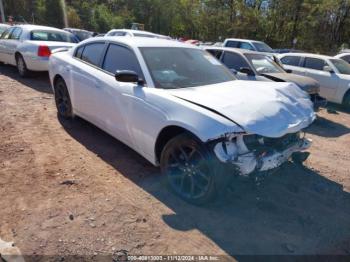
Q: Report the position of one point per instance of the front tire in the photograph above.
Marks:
(22, 66)
(191, 171)
(62, 99)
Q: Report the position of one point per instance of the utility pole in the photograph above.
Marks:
(2, 12)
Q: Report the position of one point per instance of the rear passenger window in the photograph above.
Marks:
(314, 63)
(234, 61)
(121, 58)
(291, 60)
(92, 53)
(231, 44)
(79, 52)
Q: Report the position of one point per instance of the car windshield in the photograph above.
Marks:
(262, 47)
(41, 35)
(342, 66)
(172, 67)
(264, 64)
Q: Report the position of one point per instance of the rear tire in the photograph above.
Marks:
(21, 66)
(192, 171)
(62, 99)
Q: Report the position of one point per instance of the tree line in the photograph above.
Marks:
(311, 25)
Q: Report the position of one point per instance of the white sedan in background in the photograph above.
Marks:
(182, 109)
(29, 46)
(332, 73)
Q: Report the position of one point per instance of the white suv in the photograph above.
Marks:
(333, 74)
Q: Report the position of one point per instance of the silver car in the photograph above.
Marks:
(29, 46)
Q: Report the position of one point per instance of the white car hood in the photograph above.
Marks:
(264, 108)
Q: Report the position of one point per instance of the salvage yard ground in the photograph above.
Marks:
(68, 188)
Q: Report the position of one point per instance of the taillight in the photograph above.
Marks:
(44, 51)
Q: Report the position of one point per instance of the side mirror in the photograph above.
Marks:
(328, 69)
(289, 71)
(247, 70)
(128, 76)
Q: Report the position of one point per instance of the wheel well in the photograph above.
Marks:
(17, 54)
(57, 77)
(346, 95)
(164, 136)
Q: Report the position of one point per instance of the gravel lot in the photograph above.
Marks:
(68, 188)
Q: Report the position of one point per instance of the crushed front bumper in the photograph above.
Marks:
(252, 161)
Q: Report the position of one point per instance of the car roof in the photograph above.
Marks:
(39, 27)
(142, 42)
(76, 29)
(132, 31)
(243, 40)
(308, 55)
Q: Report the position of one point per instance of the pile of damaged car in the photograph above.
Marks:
(183, 110)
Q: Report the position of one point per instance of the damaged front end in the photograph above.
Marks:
(254, 153)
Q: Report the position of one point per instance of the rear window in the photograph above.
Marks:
(41, 35)
(291, 60)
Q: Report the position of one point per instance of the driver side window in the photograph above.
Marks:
(121, 58)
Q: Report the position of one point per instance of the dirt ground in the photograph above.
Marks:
(68, 188)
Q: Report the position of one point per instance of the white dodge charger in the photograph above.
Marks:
(29, 46)
(180, 108)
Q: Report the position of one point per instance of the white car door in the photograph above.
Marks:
(3, 47)
(11, 45)
(118, 97)
(97, 95)
(85, 71)
(328, 80)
